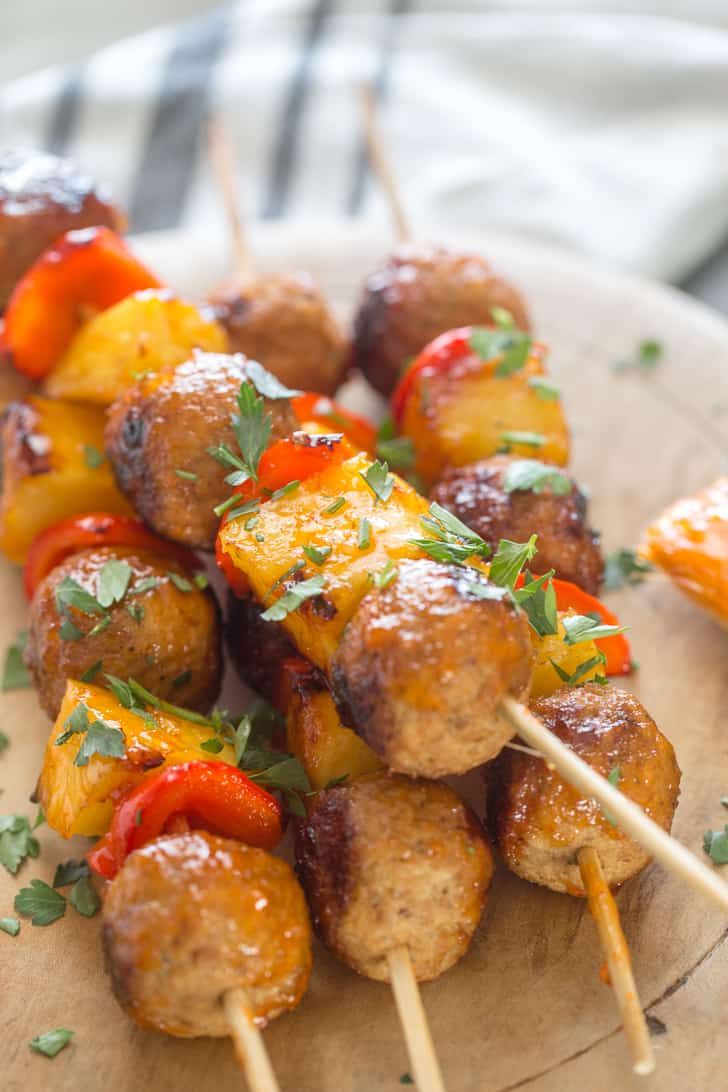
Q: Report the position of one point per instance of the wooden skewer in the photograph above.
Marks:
(380, 162)
(223, 162)
(606, 915)
(249, 1045)
(658, 843)
(425, 1066)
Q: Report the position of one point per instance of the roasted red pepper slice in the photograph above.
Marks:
(83, 272)
(212, 795)
(441, 354)
(616, 649)
(76, 533)
(330, 415)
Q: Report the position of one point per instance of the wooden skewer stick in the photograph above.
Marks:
(249, 1045)
(658, 843)
(425, 1066)
(606, 915)
(379, 161)
(223, 162)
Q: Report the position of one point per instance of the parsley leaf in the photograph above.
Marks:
(69, 593)
(534, 476)
(67, 872)
(646, 357)
(84, 898)
(453, 540)
(17, 842)
(379, 480)
(51, 1043)
(101, 739)
(90, 674)
(397, 451)
(365, 533)
(528, 439)
(40, 903)
(580, 627)
(252, 427)
(93, 457)
(186, 475)
(180, 582)
(545, 390)
(317, 554)
(384, 577)
(11, 926)
(213, 745)
(537, 597)
(509, 559)
(292, 599)
(113, 581)
(335, 506)
(625, 567)
(507, 342)
(15, 674)
(266, 383)
(582, 670)
(715, 844)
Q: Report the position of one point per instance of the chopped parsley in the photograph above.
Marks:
(17, 842)
(645, 358)
(335, 506)
(252, 427)
(379, 480)
(509, 559)
(511, 345)
(68, 872)
(266, 383)
(365, 534)
(93, 457)
(84, 898)
(583, 669)
(317, 554)
(69, 594)
(99, 738)
(537, 597)
(534, 476)
(292, 599)
(285, 490)
(90, 673)
(135, 611)
(39, 902)
(625, 567)
(545, 390)
(715, 844)
(180, 582)
(182, 679)
(147, 583)
(396, 451)
(582, 627)
(527, 439)
(272, 769)
(15, 674)
(11, 926)
(451, 540)
(51, 1043)
(384, 577)
(213, 745)
(114, 580)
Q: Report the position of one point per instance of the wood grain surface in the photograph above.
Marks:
(526, 1007)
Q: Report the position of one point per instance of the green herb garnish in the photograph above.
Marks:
(15, 674)
(545, 390)
(93, 457)
(51, 1043)
(292, 599)
(335, 506)
(533, 476)
(186, 475)
(114, 579)
(645, 358)
(11, 926)
(715, 844)
(582, 627)
(506, 342)
(625, 567)
(317, 554)
(384, 577)
(365, 534)
(83, 898)
(39, 902)
(17, 841)
(583, 669)
(527, 439)
(379, 480)
(509, 559)
(452, 540)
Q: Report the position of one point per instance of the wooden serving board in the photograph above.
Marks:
(526, 1007)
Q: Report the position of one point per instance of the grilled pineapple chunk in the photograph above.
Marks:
(147, 332)
(51, 469)
(326, 510)
(552, 650)
(81, 799)
(454, 420)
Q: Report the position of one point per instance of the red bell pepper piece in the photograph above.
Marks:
(616, 649)
(77, 533)
(440, 355)
(329, 414)
(213, 795)
(83, 272)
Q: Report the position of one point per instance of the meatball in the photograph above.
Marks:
(191, 916)
(166, 638)
(283, 321)
(423, 665)
(164, 426)
(257, 648)
(476, 494)
(387, 861)
(41, 197)
(416, 295)
(541, 822)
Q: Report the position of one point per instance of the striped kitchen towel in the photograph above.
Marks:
(590, 124)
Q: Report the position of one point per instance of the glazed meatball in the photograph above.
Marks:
(166, 423)
(388, 861)
(257, 648)
(283, 321)
(416, 295)
(423, 665)
(191, 916)
(541, 822)
(476, 494)
(167, 639)
(41, 197)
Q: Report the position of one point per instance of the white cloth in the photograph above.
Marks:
(591, 124)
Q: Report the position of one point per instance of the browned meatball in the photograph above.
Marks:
(418, 293)
(192, 916)
(257, 648)
(476, 494)
(541, 822)
(388, 861)
(41, 197)
(283, 321)
(166, 423)
(166, 638)
(423, 665)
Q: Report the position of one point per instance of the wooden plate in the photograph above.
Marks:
(526, 1007)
